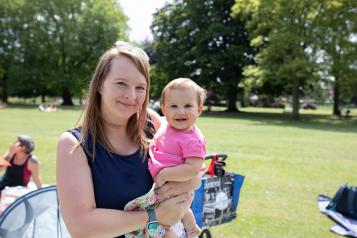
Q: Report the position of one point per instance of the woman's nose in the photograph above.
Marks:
(130, 93)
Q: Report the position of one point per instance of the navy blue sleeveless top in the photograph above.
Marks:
(116, 179)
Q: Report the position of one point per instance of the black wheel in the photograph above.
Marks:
(205, 234)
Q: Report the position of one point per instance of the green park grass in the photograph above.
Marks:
(286, 163)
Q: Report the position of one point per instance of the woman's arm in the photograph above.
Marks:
(34, 167)
(2, 168)
(8, 155)
(76, 197)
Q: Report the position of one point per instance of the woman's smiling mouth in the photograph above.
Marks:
(126, 104)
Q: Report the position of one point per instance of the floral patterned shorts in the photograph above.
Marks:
(141, 204)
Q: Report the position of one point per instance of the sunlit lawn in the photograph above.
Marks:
(286, 163)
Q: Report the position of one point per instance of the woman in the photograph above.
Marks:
(20, 164)
(109, 168)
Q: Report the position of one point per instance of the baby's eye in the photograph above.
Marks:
(173, 106)
(188, 106)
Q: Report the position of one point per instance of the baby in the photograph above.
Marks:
(178, 148)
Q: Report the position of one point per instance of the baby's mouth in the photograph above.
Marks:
(180, 119)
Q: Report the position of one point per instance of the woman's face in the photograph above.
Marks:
(123, 91)
(18, 147)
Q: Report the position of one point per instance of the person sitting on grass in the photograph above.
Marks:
(20, 164)
(44, 108)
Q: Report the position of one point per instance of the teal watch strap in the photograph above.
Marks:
(153, 229)
(152, 215)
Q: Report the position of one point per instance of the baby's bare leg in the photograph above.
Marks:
(170, 234)
(190, 225)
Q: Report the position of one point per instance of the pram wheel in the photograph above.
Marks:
(205, 234)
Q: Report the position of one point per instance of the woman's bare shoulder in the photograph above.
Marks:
(67, 139)
(68, 146)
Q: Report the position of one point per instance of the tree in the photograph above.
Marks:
(283, 33)
(336, 35)
(200, 40)
(60, 43)
(10, 26)
(294, 39)
(72, 35)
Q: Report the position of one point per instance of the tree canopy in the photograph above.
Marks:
(56, 44)
(298, 42)
(200, 40)
(336, 41)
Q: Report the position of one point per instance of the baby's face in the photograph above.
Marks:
(181, 108)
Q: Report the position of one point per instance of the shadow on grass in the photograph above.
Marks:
(313, 122)
(307, 121)
(32, 107)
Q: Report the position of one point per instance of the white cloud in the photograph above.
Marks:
(140, 17)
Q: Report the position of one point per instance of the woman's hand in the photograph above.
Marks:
(12, 148)
(159, 179)
(173, 209)
(10, 153)
(172, 189)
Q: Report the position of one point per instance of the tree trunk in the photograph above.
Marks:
(296, 100)
(232, 98)
(242, 100)
(43, 98)
(4, 95)
(67, 97)
(336, 98)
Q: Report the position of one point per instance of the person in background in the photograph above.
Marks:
(50, 108)
(20, 164)
(102, 164)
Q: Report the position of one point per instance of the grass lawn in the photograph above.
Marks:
(286, 163)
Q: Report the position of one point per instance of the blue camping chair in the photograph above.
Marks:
(35, 214)
(216, 201)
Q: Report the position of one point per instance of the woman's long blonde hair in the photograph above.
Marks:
(92, 123)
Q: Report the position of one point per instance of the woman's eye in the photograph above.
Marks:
(141, 88)
(121, 84)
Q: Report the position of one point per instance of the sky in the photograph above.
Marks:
(140, 17)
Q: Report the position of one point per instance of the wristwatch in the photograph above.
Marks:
(153, 228)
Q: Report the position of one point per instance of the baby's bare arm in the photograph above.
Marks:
(180, 173)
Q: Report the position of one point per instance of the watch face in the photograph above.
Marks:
(155, 230)
(152, 226)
